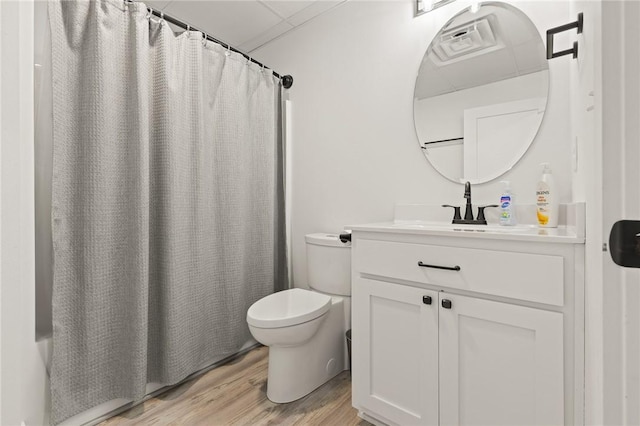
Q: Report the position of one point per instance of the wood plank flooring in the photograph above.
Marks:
(234, 394)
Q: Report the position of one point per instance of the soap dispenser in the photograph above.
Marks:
(507, 207)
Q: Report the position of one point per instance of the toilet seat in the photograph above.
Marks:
(287, 308)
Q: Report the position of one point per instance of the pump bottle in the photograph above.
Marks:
(547, 199)
(507, 206)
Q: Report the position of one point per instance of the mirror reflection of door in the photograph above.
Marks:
(481, 93)
(490, 132)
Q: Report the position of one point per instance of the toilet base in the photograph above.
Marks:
(296, 371)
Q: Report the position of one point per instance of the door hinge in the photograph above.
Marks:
(604, 247)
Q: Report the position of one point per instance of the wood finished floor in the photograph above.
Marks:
(234, 394)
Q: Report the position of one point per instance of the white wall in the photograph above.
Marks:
(355, 149)
(24, 379)
(587, 111)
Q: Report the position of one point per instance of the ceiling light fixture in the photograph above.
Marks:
(424, 6)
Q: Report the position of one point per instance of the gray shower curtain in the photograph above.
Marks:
(167, 203)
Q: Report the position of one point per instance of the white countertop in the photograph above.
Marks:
(561, 234)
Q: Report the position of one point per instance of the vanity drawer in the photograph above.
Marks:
(525, 276)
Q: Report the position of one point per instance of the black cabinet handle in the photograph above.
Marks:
(426, 300)
(448, 268)
(446, 303)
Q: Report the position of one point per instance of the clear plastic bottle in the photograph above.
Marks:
(507, 206)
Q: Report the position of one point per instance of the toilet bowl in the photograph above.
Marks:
(288, 318)
(305, 329)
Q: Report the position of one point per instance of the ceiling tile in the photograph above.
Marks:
(312, 11)
(286, 8)
(234, 22)
(157, 4)
(494, 66)
(265, 37)
(530, 57)
(432, 83)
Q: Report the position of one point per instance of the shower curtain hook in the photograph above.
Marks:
(149, 13)
(228, 52)
(162, 22)
(204, 39)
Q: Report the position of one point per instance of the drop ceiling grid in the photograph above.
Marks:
(286, 9)
(313, 9)
(234, 22)
(246, 25)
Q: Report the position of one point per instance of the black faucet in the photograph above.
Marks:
(468, 213)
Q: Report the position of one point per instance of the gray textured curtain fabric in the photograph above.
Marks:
(167, 204)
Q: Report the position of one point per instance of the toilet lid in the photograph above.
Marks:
(288, 307)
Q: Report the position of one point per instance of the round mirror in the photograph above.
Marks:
(481, 93)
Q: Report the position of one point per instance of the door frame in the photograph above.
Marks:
(620, 199)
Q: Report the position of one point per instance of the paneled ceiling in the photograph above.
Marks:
(244, 24)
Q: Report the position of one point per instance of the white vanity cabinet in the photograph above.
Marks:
(398, 350)
(495, 338)
(500, 364)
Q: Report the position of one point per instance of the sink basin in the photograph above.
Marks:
(461, 228)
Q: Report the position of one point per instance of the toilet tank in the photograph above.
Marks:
(329, 264)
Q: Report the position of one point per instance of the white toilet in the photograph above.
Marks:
(305, 329)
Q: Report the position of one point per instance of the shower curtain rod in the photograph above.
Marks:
(287, 80)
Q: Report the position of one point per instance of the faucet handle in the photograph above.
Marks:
(480, 217)
(456, 212)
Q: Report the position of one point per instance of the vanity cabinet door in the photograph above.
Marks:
(500, 364)
(395, 352)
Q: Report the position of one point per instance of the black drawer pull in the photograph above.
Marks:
(448, 268)
(446, 303)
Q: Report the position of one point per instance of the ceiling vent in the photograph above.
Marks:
(471, 39)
